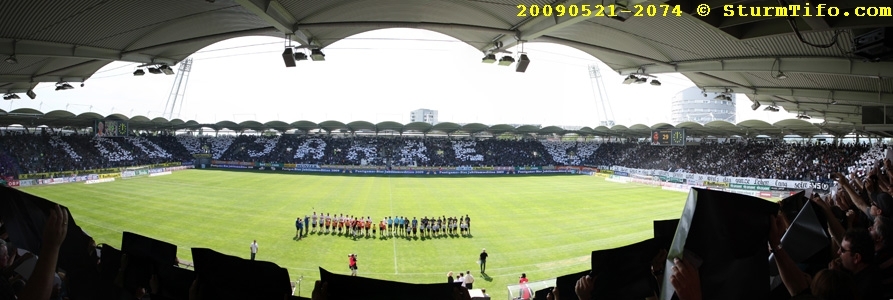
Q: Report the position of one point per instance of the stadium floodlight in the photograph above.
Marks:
(523, 61)
(61, 86)
(289, 57)
(506, 60)
(755, 105)
(781, 75)
(654, 82)
(31, 94)
(641, 80)
(139, 72)
(630, 79)
(153, 70)
(317, 55)
(299, 56)
(723, 96)
(166, 70)
(12, 60)
(489, 59)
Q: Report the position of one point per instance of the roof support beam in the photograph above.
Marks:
(206, 38)
(38, 78)
(279, 17)
(566, 42)
(867, 98)
(24, 48)
(790, 64)
(545, 25)
(418, 25)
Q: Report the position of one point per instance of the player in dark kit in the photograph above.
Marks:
(298, 228)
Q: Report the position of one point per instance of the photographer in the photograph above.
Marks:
(352, 264)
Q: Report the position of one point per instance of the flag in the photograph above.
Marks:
(729, 233)
(805, 239)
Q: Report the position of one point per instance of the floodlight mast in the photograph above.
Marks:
(606, 115)
(178, 90)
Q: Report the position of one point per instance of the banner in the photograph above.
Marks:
(113, 175)
(716, 184)
(229, 166)
(274, 165)
(12, 183)
(715, 181)
(99, 180)
(527, 168)
(749, 187)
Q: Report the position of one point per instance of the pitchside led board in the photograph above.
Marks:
(668, 137)
(110, 128)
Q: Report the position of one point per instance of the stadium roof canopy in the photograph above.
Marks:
(67, 41)
(58, 119)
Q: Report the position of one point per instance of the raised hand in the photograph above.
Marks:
(56, 228)
(584, 287)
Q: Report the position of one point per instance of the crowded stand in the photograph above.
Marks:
(268, 144)
(39, 153)
(110, 150)
(220, 144)
(778, 160)
(25, 153)
(569, 153)
(57, 142)
(193, 144)
(151, 150)
(856, 256)
(7, 165)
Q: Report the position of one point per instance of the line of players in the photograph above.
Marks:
(390, 226)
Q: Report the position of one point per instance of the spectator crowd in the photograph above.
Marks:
(20, 153)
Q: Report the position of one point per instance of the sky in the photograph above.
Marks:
(378, 76)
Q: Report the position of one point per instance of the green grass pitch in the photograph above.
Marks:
(545, 226)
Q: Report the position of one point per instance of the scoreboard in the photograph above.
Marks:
(110, 128)
(668, 137)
